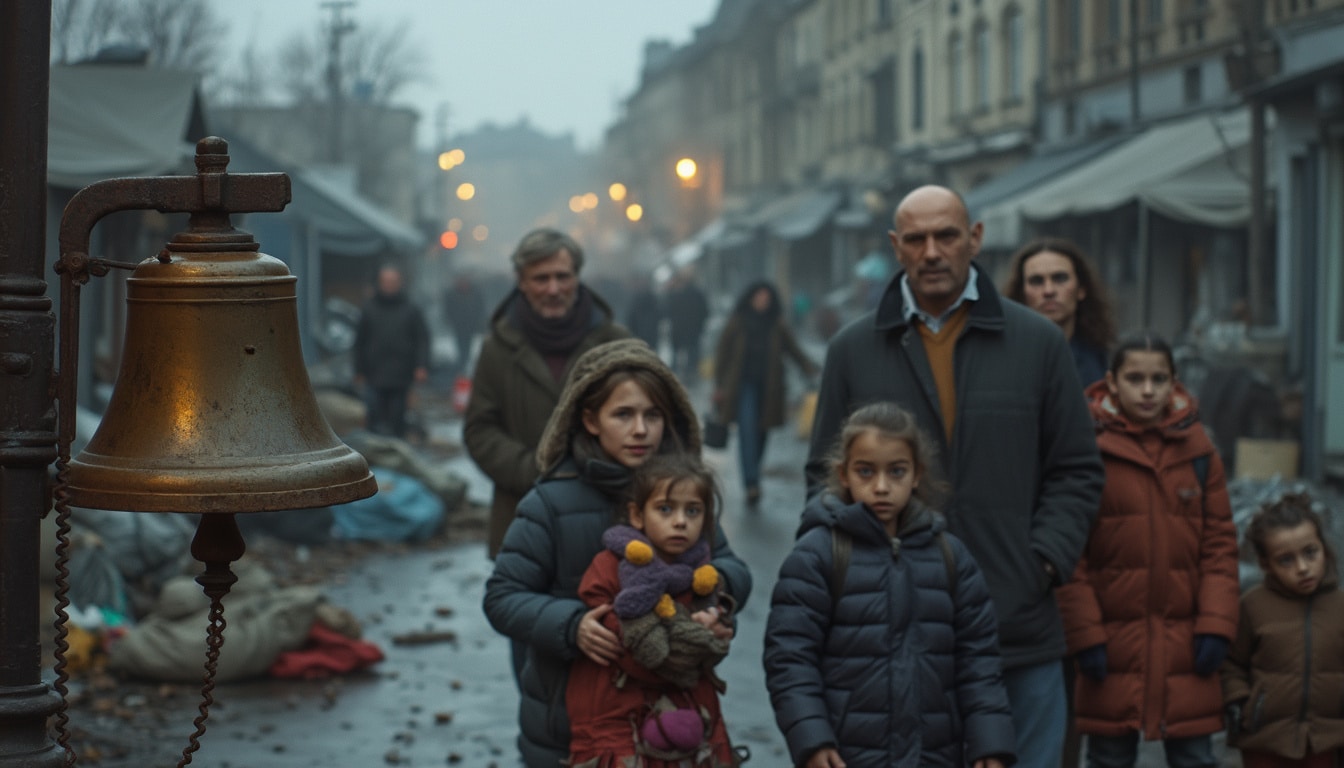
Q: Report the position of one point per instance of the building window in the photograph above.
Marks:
(917, 90)
(956, 52)
(1154, 12)
(1074, 24)
(1193, 85)
(1015, 51)
(883, 13)
(982, 67)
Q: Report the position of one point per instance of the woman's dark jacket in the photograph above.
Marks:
(892, 674)
(532, 596)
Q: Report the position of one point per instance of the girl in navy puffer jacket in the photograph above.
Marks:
(881, 648)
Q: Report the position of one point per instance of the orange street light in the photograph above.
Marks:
(686, 169)
(466, 190)
(616, 192)
(634, 212)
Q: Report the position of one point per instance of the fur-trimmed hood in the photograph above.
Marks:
(591, 368)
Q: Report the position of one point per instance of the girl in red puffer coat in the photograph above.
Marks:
(1152, 606)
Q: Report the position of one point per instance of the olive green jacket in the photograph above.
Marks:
(512, 396)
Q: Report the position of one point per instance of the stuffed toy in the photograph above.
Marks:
(659, 631)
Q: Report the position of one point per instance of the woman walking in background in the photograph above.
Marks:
(749, 385)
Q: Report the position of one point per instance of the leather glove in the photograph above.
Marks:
(1232, 718)
(1092, 662)
(1210, 651)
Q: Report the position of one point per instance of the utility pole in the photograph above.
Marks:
(1253, 22)
(339, 27)
(1134, 106)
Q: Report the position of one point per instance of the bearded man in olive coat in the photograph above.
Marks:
(535, 334)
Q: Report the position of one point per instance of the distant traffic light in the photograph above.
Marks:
(448, 240)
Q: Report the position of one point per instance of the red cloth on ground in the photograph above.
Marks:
(327, 653)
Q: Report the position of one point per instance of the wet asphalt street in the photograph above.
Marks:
(450, 699)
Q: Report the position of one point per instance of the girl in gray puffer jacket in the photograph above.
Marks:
(882, 648)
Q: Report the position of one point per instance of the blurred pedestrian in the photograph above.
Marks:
(749, 384)
(658, 701)
(391, 352)
(1152, 606)
(546, 321)
(464, 312)
(1283, 682)
(1055, 278)
(687, 310)
(644, 312)
(620, 407)
(874, 656)
(993, 384)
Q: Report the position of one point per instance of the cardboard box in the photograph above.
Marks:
(1262, 459)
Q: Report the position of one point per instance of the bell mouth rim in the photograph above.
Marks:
(223, 502)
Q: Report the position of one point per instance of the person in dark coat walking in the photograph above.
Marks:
(644, 312)
(536, 333)
(391, 353)
(464, 311)
(749, 376)
(883, 651)
(993, 384)
(620, 406)
(687, 310)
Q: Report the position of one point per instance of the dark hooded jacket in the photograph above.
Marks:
(513, 393)
(894, 673)
(1023, 459)
(533, 594)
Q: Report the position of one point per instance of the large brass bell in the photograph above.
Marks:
(212, 410)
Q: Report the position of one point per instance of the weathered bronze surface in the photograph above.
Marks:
(212, 411)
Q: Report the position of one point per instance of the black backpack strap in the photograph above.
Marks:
(950, 561)
(1201, 464)
(841, 545)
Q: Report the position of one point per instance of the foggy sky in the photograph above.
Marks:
(565, 64)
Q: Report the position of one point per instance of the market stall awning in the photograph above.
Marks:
(1192, 170)
(107, 121)
(1002, 228)
(807, 213)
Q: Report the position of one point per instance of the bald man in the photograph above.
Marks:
(993, 384)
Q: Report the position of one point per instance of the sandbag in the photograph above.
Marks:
(263, 621)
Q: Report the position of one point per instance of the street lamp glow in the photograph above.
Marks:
(466, 190)
(446, 160)
(634, 212)
(455, 224)
(616, 192)
(589, 201)
(686, 169)
(480, 232)
(576, 204)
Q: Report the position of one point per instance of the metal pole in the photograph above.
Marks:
(1255, 251)
(27, 402)
(1134, 81)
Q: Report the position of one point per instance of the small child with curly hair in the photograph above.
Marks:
(1283, 681)
(657, 706)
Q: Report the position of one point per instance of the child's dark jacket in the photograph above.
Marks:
(1287, 667)
(893, 674)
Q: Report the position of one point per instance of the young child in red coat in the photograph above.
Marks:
(657, 706)
(1152, 606)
